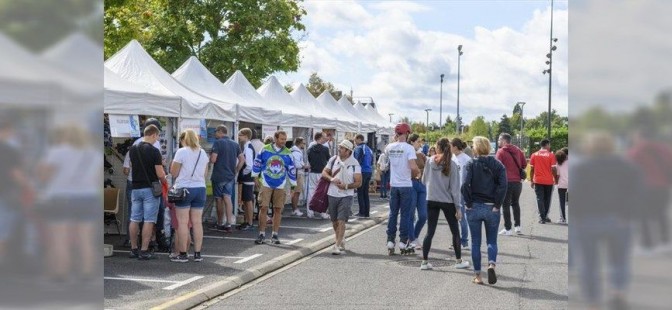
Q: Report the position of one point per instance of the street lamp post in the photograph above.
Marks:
(521, 104)
(549, 62)
(459, 120)
(427, 110)
(441, 103)
(390, 114)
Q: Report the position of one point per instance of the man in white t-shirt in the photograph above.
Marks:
(345, 177)
(403, 168)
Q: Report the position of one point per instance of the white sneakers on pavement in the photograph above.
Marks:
(297, 212)
(336, 250)
(462, 265)
(425, 265)
(325, 216)
(518, 231)
(505, 232)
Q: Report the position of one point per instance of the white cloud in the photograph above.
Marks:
(381, 53)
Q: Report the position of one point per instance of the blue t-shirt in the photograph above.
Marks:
(425, 149)
(364, 156)
(224, 169)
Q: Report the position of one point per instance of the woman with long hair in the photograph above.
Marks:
(420, 191)
(442, 178)
(461, 158)
(189, 170)
(562, 180)
(483, 190)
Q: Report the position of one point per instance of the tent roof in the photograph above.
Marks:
(277, 97)
(134, 64)
(321, 117)
(239, 84)
(194, 75)
(124, 97)
(77, 53)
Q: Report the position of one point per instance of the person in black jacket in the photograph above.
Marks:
(483, 190)
(318, 156)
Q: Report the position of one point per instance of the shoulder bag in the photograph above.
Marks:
(523, 173)
(320, 202)
(157, 188)
(177, 194)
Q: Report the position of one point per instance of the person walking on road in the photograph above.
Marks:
(419, 193)
(442, 177)
(461, 159)
(318, 156)
(301, 166)
(543, 171)
(245, 178)
(190, 168)
(514, 161)
(274, 165)
(402, 170)
(562, 180)
(384, 167)
(225, 153)
(484, 189)
(344, 178)
(364, 155)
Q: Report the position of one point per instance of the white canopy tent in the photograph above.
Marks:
(78, 54)
(321, 118)
(388, 128)
(346, 121)
(364, 113)
(365, 124)
(194, 75)
(239, 84)
(124, 97)
(134, 64)
(277, 97)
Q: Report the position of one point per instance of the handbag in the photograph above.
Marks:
(320, 201)
(523, 173)
(157, 188)
(177, 194)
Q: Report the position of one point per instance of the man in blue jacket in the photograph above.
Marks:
(365, 157)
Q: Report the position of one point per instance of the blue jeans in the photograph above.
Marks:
(384, 179)
(401, 199)
(589, 234)
(145, 206)
(482, 213)
(464, 226)
(194, 199)
(363, 195)
(420, 204)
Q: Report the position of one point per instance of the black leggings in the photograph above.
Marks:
(562, 193)
(433, 210)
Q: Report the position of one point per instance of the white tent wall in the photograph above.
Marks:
(134, 64)
(346, 122)
(124, 97)
(238, 84)
(277, 97)
(365, 124)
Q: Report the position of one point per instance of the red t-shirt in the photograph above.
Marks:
(542, 161)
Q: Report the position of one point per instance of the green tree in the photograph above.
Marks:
(289, 88)
(255, 37)
(478, 127)
(316, 86)
(504, 125)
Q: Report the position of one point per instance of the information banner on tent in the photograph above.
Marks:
(289, 131)
(340, 136)
(124, 126)
(267, 130)
(197, 125)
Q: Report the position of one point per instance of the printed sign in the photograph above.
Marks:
(267, 130)
(289, 131)
(124, 126)
(197, 125)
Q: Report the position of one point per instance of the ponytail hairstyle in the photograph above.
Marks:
(458, 143)
(443, 148)
(412, 138)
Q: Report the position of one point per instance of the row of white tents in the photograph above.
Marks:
(136, 84)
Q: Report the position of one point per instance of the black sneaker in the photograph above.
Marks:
(135, 253)
(221, 227)
(245, 227)
(146, 255)
(198, 257)
(260, 240)
(542, 222)
(182, 258)
(547, 220)
(275, 239)
(227, 229)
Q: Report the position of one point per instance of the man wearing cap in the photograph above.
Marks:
(344, 178)
(403, 169)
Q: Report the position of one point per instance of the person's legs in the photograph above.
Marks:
(228, 204)
(421, 204)
(548, 194)
(449, 212)
(279, 196)
(492, 220)
(506, 207)
(218, 192)
(432, 220)
(195, 215)
(150, 215)
(58, 248)
(85, 235)
(265, 194)
(395, 201)
(360, 198)
(561, 195)
(384, 179)
(464, 226)
(619, 249)
(476, 217)
(517, 188)
(589, 251)
(182, 213)
(136, 218)
(366, 178)
(313, 179)
(539, 191)
(129, 204)
(340, 231)
(406, 210)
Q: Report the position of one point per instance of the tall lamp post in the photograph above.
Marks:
(459, 120)
(427, 110)
(521, 104)
(390, 114)
(549, 62)
(441, 104)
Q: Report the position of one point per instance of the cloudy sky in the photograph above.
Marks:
(394, 51)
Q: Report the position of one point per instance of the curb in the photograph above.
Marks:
(219, 288)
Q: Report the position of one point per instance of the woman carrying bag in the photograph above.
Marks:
(189, 169)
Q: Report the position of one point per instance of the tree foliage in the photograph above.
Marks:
(504, 125)
(478, 127)
(227, 35)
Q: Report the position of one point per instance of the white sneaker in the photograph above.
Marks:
(505, 232)
(325, 216)
(463, 265)
(342, 246)
(336, 250)
(425, 265)
(518, 231)
(297, 212)
(310, 214)
(414, 244)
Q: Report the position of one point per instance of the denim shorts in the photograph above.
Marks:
(195, 198)
(221, 189)
(145, 206)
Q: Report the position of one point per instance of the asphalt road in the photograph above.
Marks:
(532, 272)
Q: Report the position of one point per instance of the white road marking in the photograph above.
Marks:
(249, 258)
(374, 212)
(182, 283)
(299, 227)
(326, 229)
(294, 241)
(190, 255)
(230, 238)
(139, 280)
(352, 220)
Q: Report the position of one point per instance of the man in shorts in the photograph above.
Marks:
(225, 153)
(344, 178)
(245, 177)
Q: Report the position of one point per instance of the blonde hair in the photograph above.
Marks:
(599, 143)
(191, 139)
(481, 145)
